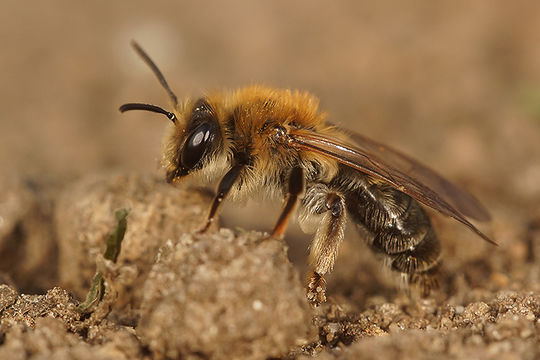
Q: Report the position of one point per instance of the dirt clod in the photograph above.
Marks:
(27, 245)
(201, 299)
(85, 215)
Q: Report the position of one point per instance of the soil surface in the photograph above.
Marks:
(455, 84)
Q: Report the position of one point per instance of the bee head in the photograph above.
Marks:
(195, 134)
(192, 145)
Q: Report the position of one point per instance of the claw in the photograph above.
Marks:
(316, 290)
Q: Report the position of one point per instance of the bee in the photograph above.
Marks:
(259, 139)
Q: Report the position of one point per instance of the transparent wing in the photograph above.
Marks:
(399, 171)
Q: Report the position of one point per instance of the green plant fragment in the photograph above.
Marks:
(112, 250)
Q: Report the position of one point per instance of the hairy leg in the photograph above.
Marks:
(328, 208)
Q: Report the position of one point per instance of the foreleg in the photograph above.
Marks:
(224, 187)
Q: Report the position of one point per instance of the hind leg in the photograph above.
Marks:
(328, 209)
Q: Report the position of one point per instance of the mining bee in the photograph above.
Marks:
(259, 139)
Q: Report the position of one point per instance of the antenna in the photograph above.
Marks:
(148, 107)
(156, 72)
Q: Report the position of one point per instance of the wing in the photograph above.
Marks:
(399, 171)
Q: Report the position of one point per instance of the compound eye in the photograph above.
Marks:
(197, 145)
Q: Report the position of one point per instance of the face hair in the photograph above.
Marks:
(156, 71)
(148, 107)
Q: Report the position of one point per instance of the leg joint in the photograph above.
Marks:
(334, 203)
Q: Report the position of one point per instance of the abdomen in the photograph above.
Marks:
(393, 224)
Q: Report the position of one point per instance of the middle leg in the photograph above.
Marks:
(296, 186)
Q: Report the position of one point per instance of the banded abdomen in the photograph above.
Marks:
(392, 224)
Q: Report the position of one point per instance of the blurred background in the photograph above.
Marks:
(456, 84)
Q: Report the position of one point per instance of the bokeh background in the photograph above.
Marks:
(456, 84)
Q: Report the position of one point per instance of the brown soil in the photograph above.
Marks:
(455, 84)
